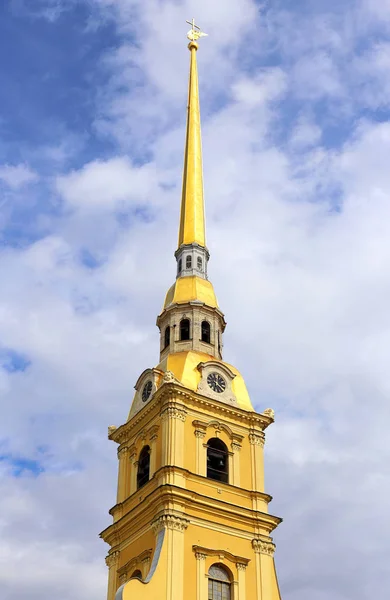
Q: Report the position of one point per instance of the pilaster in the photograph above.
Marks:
(112, 561)
(173, 416)
(241, 569)
(264, 553)
(174, 531)
(123, 489)
(256, 440)
(201, 579)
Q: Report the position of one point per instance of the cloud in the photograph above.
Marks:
(17, 176)
(108, 184)
(296, 142)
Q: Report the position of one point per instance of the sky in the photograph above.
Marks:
(295, 102)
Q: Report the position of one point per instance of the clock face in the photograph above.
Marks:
(147, 391)
(216, 382)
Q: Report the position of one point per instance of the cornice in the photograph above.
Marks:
(172, 392)
(167, 494)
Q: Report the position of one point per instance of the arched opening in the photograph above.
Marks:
(217, 460)
(205, 332)
(219, 583)
(200, 263)
(167, 336)
(185, 329)
(137, 574)
(143, 467)
(188, 261)
(179, 266)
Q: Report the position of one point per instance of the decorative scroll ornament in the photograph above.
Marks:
(169, 522)
(269, 412)
(195, 33)
(241, 566)
(111, 429)
(169, 377)
(263, 547)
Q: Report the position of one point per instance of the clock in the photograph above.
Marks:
(147, 390)
(216, 382)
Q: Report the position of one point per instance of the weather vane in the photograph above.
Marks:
(194, 33)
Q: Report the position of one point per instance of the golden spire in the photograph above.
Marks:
(192, 221)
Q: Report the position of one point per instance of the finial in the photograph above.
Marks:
(194, 33)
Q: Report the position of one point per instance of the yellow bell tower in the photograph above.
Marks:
(191, 520)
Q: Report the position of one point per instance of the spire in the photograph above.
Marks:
(192, 221)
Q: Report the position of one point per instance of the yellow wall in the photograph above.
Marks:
(228, 522)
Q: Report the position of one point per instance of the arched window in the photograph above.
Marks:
(167, 336)
(205, 329)
(143, 467)
(179, 266)
(219, 583)
(217, 460)
(185, 329)
(137, 574)
(188, 261)
(200, 263)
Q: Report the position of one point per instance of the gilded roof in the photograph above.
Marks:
(184, 367)
(188, 289)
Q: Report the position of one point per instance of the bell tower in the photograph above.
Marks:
(191, 520)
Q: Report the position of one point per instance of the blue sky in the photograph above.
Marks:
(295, 102)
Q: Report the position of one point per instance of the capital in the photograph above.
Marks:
(112, 559)
(257, 439)
(169, 522)
(200, 556)
(263, 547)
(171, 412)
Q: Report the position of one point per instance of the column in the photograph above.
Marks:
(264, 553)
(123, 457)
(112, 561)
(256, 441)
(133, 473)
(201, 579)
(175, 527)
(201, 454)
(173, 418)
(236, 463)
(241, 568)
(153, 444)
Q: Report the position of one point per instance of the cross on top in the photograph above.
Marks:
(194, 33)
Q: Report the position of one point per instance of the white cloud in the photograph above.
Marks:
(297, 224)
(17, 176)
(108, 184)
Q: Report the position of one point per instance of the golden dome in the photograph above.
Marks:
(188, 289)
(184, 367)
